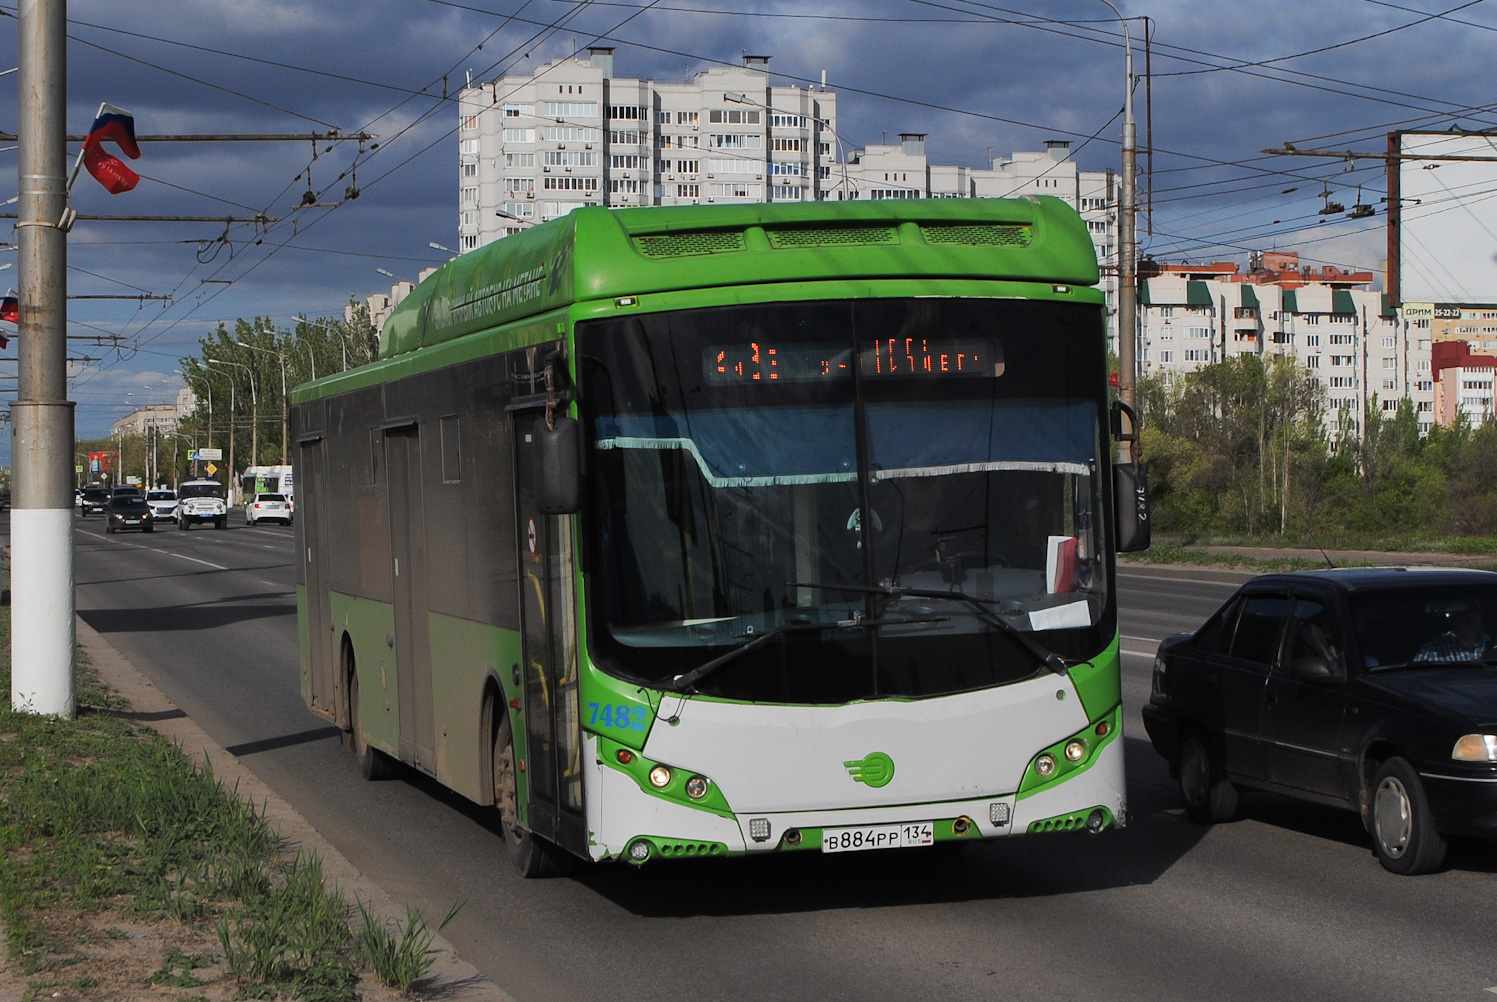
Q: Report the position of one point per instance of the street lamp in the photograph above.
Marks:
(391, 274)
(436, 246)
(1127, 221)
(254, 419)
(281, 357)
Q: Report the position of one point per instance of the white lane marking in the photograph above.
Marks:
(1195, 581)
(1141, 654)
(156, 549)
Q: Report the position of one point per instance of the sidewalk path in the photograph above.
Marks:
(1343, 557)
(451, 978)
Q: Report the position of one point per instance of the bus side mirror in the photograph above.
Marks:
(558, 466)
(1130, 487)
(1130, 494)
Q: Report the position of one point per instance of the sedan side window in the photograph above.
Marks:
(1257, 637)
(1313, 633)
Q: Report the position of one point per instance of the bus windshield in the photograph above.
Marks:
(908, 491)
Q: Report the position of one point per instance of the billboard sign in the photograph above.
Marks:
(1446, 206)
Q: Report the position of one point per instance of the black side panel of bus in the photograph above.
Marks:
(312, 544)
(408, 571)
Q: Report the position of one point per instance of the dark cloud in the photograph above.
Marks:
(974, 77)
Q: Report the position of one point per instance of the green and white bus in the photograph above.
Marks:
(710, 531)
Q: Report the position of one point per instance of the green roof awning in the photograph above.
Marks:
(1291, 304)
(1388, 312)
(1143, 293)
(1249, 297)
(1197, 294)
(1341, 302)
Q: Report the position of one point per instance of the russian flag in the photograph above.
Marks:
(118, 125)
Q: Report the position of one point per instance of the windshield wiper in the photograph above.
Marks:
(1054, 662)
(685, 681)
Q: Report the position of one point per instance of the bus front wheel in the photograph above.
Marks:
(373, 764)
(532, 855)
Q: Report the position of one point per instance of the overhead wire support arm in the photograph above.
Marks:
(234, 137)
(1289, 151)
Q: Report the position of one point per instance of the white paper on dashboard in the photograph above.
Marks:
(1061, 617)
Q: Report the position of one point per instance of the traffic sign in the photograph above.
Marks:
(211, 454)
(192, 455)
(212, 469)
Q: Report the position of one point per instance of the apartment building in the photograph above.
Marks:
(1463, 382)
(1327, 319)
(535, 147)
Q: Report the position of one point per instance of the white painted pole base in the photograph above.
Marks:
(42, 677)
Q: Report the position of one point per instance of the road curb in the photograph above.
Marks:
(451, 978)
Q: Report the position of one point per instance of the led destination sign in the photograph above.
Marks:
(768, 361)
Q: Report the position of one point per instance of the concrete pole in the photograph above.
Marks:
(43, 678)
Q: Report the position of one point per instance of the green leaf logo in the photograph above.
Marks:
(875, 770)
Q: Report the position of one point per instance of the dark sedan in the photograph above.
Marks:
(129, 511)
(1372, 688)
(95, 500)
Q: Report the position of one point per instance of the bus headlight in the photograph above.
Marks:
(660, 777)
(696, 787)
(1075, 750)
(1045, 766)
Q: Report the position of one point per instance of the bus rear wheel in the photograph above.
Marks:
(532, 855)
(373, 764)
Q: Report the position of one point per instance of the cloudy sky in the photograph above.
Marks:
(981, 80)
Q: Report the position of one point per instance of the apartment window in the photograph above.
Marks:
(792, 170)
(469, 196)
(738, 190)
(625, 112)
(784, 192)
(1390, 362)
(732, 116)
(1197, 355)
(519, 159)
(734, 165)
(1390, 405)
(1166, 311)
(1343, 382)
(468, 241)
(470, 169)
(1198, 332)
(1343, 339)
(1309, 318)
(469, 147)
(737, 141)
(571, 158)
(1422, 324)
(470, 122)
(469, 218)
(824, 149)
(664, 118)
(571, 134)
(624, 137)
(686, 118)
(519, 135)
(564, 183)
(785, 145)
(1313, 362)
(624, 162)
(1390, 384)
(1312, 340)
(623, 186)
(519, 111)
(1423, 365)
(519, 184)
(1343, 318)
(1389, 342)
(1166, 356)
(569, 109)
(1425, 406)
(686, 166)
(1167, 334)
(520, 210)
(687, 191)
(787, 121)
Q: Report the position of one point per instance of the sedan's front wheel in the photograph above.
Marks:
(1403, 829)
(1209, 795)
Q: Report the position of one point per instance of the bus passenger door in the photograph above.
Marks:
(311, 537)
(551, 760)
(408, 553)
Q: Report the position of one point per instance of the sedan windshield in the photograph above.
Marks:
(905, 491)
(1426, 625)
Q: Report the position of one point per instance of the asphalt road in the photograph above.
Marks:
(1287, 902)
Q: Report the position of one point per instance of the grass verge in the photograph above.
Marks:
(113, 842)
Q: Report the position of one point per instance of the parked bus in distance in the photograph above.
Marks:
(714, 531)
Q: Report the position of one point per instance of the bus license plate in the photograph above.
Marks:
(878, 837)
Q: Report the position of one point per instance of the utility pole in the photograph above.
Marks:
(43, 677)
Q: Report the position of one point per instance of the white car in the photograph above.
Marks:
(268, 508)
(201, 501)
(163, 503)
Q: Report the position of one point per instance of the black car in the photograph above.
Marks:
(129, 511)
(1371, 688)
(95, 501)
